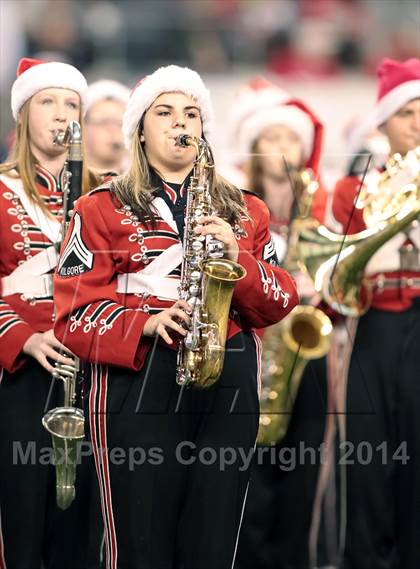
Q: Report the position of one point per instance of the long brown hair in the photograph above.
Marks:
(134, 188)
(22, 159)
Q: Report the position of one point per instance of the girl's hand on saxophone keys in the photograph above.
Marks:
(169, 318)
(221, 230)
(43, 345)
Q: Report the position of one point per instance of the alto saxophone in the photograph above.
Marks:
(207, 281)
(66, 424)
(288, 346)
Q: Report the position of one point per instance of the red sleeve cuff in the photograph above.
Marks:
(12, 357)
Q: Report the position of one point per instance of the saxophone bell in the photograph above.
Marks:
(304, 335)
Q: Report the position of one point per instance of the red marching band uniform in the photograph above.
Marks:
(116, 271)
(22, 314)
(33, 531)
(103, 257)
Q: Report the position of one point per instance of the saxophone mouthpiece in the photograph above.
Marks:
(182, 140)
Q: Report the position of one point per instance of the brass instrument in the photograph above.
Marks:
(287, 348)
(207, 281)
(66, 424)
(304, 335)
(336, 263)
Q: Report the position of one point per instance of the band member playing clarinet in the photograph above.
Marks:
(46, 96)
(169, 498)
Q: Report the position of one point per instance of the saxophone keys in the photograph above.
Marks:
(197, 246)
(194, 290)
(195, 276)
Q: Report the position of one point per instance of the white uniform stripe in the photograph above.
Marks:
(240, 522)
(258, 345)
(104, 445)
(97, 452)
(2, 559)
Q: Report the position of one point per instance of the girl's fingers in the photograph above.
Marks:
(183, 304)
(178, 313)
(56, 356)
(176, 327)
(53, 342)
(212, 219)
(215, 232)
(164, 334)
(44, 362)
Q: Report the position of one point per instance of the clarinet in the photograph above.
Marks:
(72, 139)
(66, 424)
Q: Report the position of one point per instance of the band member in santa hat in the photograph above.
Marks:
(383, 499)
(274, 137)
(105, 105)
(174, 502)
(44, 98)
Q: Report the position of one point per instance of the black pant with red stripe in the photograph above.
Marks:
(33, 530)
(174, 475)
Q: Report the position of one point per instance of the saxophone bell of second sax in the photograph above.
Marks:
(288, 346)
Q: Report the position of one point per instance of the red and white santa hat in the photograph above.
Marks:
(255, 95)
(263, 105)
(171, 78)
(34, 75)
(399, 83)
(106, 89)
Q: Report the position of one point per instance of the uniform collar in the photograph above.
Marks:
(47, 180)
(175, 193)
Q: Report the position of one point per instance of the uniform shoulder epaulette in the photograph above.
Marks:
(101, 188)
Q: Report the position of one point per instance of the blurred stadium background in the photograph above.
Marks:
(324, 51)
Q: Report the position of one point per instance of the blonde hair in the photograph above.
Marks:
(254, 172)
(134, 188)
(22, 159)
